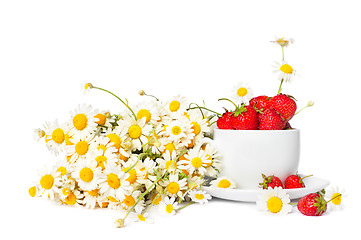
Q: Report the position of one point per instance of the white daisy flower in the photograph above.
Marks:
(113, 182)
(136, 131)
(241, 93)
(200, 123)
(168, 162)
(55, 136)
(49, 182)
(131, 199)
(168, 205)
(91, 198)
(34, 191)
(63, 167)
(38, 134)
(143, 217)
(72, 198)
(148, 110)
(286, 71)
(180, 131)
(145, 171)
(199, 196)
(80, 147)
(194, 161)
(83, 122)
(274, 200)
(223, 182)
(334, 195)
(86, 87)
(214, 165)
(87, 174)
(104, 118)
(115, 138)
(195, 182)
(175, 107)
(103, 157)
(283, 42)
(174, 186)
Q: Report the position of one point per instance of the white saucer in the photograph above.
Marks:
(312, 184)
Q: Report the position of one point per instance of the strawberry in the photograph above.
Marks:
(295, 181)
(245, 118)
(271, 120)
(225, 122)
(313, 204)
(284, 105)
(270, 181)
(260, 103)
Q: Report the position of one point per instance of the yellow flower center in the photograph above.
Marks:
(93, 193)
(208, 157)
(115, 139)
(86, 174)
(199, 196)
(47, 181)
(129, 200)
(336, 200)
(58, 135)
(113, 180)
(102, 148)
(176, 130)
(168, 164)
(274, 204)
(197, 162)
(62, 170)
(32, 191)
(132, 175)
(286, 69)
(135, 131)
(110, 198)
(81, 147)
(174, 106)
(80, 121)
(70, 199)
(67, 140)
(169, 208)
(88, 85)
(173, 187)
(156, 199)
(141, 217)
(101, 160)
(170, 147)
(65, 191)
(196, 128)
(242, 91)
(101, 117)
(224, 183)
(144, 113)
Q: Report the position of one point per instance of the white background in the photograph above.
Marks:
(198, 49)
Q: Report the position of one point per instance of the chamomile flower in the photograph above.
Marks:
(148, 110)
(34, 191)
(63, 167)
(334, 194)
(194, 161)
(195, 182)
(200, 123)
(72, 198)
(242, 93)
(87, 174)
(274, 200)
(199, 196)
(79, 149)
(55, 136)
(83, 122)
(285, 71)
(136, 131)
(38, 134)
(104, 118)
(168, 162)
(283, 42)
(103, 157)
(91, 198)
(86, 87)
(143, 217)
(174, 186)
(130, 200)
(113, 182)
(179, 130)
(223, 182)
(48, 182)
(114, 138)
(214, 165)
(175, 107)
(168, 205)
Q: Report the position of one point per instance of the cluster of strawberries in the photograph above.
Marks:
(313, 204)
(263, 113)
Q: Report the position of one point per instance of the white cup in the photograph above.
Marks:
(247, 154)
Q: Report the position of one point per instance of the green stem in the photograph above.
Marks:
(229, 101)
(102, 89)
(152, 96)
(283, 53)
(203, 108)
(135, 164)
(339, 195)
(185, 206)
(280, 88)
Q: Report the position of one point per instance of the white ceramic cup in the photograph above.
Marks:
(247, 154)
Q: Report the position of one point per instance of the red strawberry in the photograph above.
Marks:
(313, 204)
(270, 181)
(284, 105)
(245, 118)
(260, 103)
(271, 120)
(225, 122)
(295, 181)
